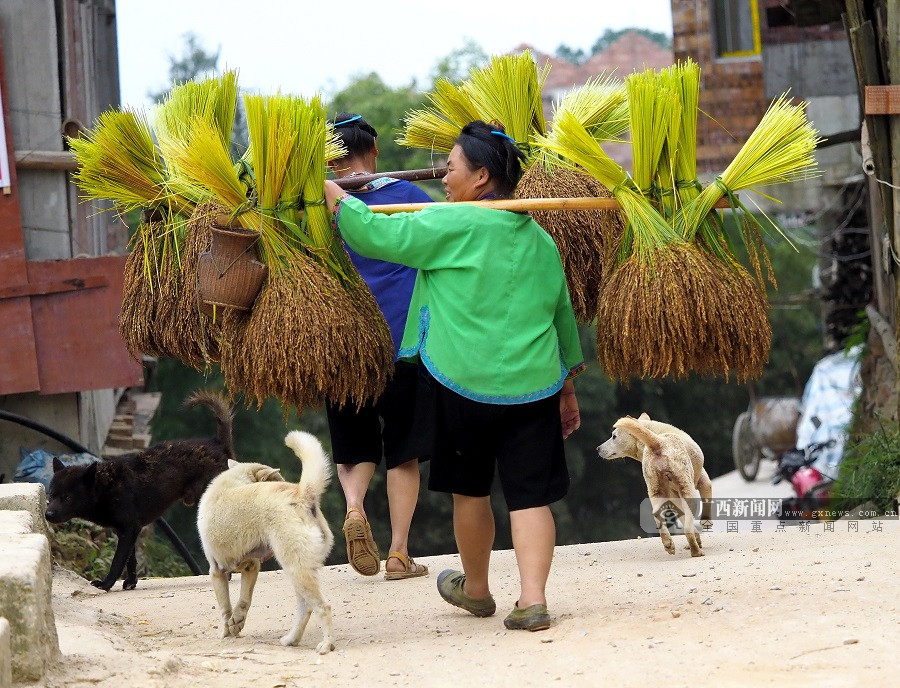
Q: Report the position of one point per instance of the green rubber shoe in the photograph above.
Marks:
(533, 618)
(450, 585)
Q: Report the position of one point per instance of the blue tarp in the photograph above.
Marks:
(828, 399)
(36, 466)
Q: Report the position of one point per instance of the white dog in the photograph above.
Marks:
(248, 514)
(672, 464)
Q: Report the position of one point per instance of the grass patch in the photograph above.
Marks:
(870, 469)
(88, 549)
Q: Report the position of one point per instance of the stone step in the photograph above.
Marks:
(25, 584)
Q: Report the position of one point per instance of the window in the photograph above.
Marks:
(736, 26)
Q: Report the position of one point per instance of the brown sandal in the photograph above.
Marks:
(410, 568)
(362, 552)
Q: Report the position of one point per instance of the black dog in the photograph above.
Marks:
(134, 490)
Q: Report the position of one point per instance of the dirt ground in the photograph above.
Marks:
(799, 607)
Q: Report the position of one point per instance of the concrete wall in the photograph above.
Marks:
(30, 644)
(59, 412)
(809, 70)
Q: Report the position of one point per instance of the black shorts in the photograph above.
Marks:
(522, 442)
(397, 426)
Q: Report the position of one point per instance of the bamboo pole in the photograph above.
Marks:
(45, 160)
(520, 204)
(409, 175)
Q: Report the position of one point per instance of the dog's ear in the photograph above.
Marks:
(266, 474)
(57, 464)
(643, 416)
(232, 463)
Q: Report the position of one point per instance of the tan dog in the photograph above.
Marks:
(672, 464)
(249, 514)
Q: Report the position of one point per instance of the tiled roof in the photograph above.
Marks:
(632, 51)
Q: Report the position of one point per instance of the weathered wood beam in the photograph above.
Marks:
(868, 73)
(45, 160)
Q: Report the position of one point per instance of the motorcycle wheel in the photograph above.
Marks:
(744, 450)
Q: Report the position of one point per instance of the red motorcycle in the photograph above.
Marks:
(810, 486)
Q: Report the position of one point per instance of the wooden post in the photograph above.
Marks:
(868, 73)
(892, 59)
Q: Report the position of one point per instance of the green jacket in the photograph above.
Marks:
(490, 315)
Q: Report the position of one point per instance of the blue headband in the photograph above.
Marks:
(500, 133)
(346, 121)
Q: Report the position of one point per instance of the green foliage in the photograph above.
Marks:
(459, 62)
(870, 469)
(859, 333)
(83, 547)
(574, 55)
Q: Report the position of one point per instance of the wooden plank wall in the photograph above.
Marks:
(18, 361)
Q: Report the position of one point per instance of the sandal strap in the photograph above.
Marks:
(405, 560)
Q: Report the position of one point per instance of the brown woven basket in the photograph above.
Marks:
(229, 274)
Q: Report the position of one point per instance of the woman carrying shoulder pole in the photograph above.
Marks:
(491, 321)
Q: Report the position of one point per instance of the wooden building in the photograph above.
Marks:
(62, 361)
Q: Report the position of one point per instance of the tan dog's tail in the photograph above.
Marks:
(316, 473)
(643, 435)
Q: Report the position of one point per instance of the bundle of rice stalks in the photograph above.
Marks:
(507, 90)
(289, 146)
(661, 312)
(646, 228)
(681, 141)
(307, 340)
(690, 313)
(315, 331)
(212, 100)
(118, 161)
(201, 166)
(182, 330)
(781, 149)
(140, 291)
(587, 239)
(436, 127)
(600, 105)
(300, 204)
(650, 106)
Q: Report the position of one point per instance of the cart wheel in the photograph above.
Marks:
(746, 453)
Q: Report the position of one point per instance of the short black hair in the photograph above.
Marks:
(356, 133)
(487, 145)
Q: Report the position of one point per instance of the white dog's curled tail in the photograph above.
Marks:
(316, 465)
